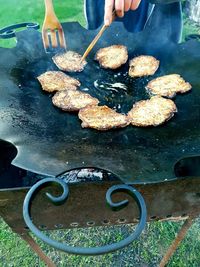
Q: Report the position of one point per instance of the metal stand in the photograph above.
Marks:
(173, 203)
(58, 200)
(173, 247)
(36, 248)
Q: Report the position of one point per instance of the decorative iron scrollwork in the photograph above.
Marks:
(59, 200)
(9, 32)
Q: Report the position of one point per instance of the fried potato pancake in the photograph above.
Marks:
(69, 61)
(168, 85)
(152, 112)
(112, 57)
(143, 66)
(101, 118)
(71, 100)
(52, 81)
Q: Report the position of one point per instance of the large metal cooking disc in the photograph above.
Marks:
(50, 141)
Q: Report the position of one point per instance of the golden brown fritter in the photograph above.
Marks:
(101, 118)
(52, 81)
(71, 100)
(112, 57)
(143, 66)
(168, 85)
(152, 112)
(69, 61)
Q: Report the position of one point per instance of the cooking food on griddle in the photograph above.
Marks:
(112, 57)
(71, 100)
(101, 118)
(152, 112)
(168, 85)
(69, 61)
(143, 66)
(52, 81)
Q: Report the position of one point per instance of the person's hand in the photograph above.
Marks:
(120, 7)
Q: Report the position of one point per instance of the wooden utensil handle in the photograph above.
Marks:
(49, 8)
(104, 27)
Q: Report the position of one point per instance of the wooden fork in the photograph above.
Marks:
(52, 31)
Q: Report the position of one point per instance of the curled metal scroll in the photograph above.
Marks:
(58, 200)
(9, 31)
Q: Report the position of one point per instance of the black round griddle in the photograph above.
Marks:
(50, 141)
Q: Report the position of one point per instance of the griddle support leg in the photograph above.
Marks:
(173, 247)
(36, 248)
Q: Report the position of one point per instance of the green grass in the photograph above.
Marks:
(189, 28)
(147, 251)
(13, 11)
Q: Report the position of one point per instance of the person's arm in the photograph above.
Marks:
(120, 6)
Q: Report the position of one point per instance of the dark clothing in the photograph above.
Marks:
(154, 16)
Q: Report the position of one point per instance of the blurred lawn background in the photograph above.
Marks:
(12, 12)
(148, 250)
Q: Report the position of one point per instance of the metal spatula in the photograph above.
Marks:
(52, 31)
